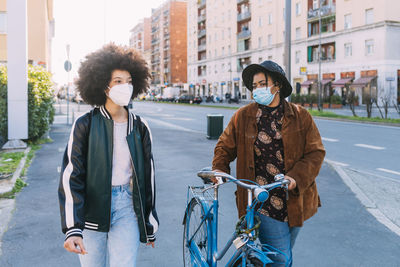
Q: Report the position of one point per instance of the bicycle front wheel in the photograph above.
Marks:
(195, 232)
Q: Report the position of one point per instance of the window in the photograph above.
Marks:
(298, 56)
(229, 49)
(215, 52)
(3, 22)
(269, 39)
(347, 21)
(223, 34)
(259, 42)
(298, 33)
(348, 50)
(298, 9)
(215, 37)
(369, 16)
(259, 21)
(269, 57)
(229, 32)
(222, 67)
(315, 4)
(369, 47)
(270, 18)
(223, 51)
(259, 59)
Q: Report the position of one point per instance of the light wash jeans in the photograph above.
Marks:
(279, 235)
(120, 245)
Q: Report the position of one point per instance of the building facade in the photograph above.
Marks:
(140, 39)
(358, 45)
(168, 44)
(40, 32)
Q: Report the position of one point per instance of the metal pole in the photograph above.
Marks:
(288, 38)
(319, 58)
(68, 47)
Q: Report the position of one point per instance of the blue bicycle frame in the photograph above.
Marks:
(210, 219)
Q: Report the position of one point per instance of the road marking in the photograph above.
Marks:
(180, 119)
(388, 171)
(329, 139)
(336, 163)
(59, 169)
(173, 126)
(61, 149)
(370, 146)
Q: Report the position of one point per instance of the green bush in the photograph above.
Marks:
(295, 98)
(336, 99)
(40, 102)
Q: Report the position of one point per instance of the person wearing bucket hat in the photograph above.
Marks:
(268, 137)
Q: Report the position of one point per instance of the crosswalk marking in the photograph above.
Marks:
(370, 146)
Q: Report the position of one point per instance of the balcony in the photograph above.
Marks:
(166, 59)
(327, 10)
(201, 18)
(242, 1)
(201, 33)
(166, 70)
(202, 47)
(166, 36)
(155, 41)
(155, 51)
(154, 29)
(244, 34)
(243, 16)
(166, 47)
(201, 4)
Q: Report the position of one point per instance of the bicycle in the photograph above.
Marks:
(200, 222)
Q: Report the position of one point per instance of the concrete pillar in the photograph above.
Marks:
(17, 58)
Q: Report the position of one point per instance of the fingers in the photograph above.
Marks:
(150, 244)
(72, 244)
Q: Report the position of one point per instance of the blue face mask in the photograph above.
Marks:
(263, 95)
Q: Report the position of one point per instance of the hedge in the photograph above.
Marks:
(40, 103)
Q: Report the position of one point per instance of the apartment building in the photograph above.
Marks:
(140, 38)
(168, 44)
(359, 45)
(40, 32)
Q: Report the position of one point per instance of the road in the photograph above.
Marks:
(342, 233)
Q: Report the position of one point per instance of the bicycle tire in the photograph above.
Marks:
(195, 213)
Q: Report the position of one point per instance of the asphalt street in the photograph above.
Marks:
(342, 233)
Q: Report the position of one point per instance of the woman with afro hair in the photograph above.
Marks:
(107, 188)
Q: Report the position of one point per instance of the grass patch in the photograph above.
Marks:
(328, 114)
(11, 165)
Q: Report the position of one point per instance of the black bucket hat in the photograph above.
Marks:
(267, 66)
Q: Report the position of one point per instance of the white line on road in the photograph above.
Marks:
(388, 171)
(370, 146)
(336, 163)
(58, 169)
(329, 139)
(179, 119)
(173, 126)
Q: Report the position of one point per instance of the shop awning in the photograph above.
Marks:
(363, 81)
(325, 81)
(307, 83)
(342, 82)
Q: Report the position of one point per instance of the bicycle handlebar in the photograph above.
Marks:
(208, 175)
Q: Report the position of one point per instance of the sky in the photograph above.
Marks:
(86, 25)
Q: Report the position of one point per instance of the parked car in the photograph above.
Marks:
(197, 99)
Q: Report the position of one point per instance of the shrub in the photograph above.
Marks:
(40, 102)
(336, 99)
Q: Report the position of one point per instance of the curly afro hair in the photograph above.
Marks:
(95, 72)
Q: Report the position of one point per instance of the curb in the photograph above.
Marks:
(8, 186)
(365, 201)
(356, 121)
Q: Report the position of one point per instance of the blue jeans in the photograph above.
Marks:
(120, 245)
(279, 235)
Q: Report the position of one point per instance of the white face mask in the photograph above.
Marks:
(121, 94)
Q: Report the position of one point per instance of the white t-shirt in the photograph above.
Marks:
(122, 165)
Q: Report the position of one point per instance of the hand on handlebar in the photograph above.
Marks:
(216, 179)
(292, 184)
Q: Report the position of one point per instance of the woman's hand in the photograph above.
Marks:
(72, 244)
(150, 244)
(292, 184)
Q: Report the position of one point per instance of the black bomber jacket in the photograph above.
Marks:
(85, 183)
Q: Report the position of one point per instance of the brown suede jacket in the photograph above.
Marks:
(303, 156)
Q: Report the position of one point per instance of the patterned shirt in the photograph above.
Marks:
(268, 157)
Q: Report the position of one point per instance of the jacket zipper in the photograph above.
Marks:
(140, 196)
